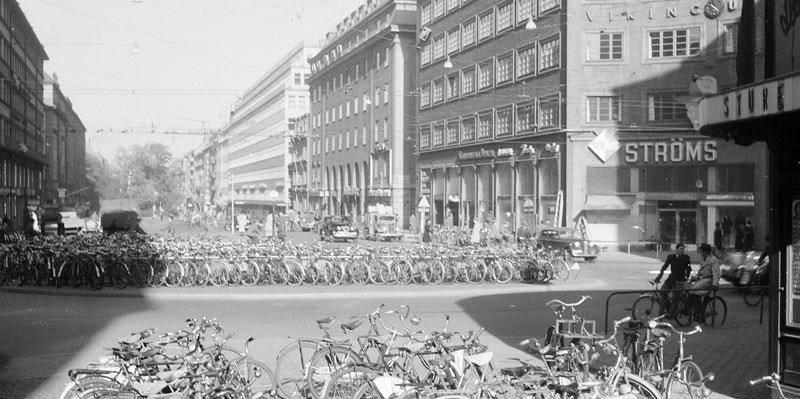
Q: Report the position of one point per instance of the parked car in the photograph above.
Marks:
(382, 226)
(72, 223)
(335, 228)
(307, 222)
(121, 221)
(569, 240)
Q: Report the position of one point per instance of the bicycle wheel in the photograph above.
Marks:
(715, 312)
(753, 296)
(477, 271)
(279, 272)
(324, 363)
(378, 271)
(334, 273)
(173, 274)
(369, 391)
(433, 272)
(636, 387)
(346, 382)
(251, 274)
(685, 382)
(291, 366)
(502, 271)
(259, 377)
(684, 311)
(646, 307)
(403, 271)
(120, 276)
(358, 272)
(560, 269)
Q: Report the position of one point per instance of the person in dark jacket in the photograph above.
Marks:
(426, 234)
(718, 237)
(679, 272)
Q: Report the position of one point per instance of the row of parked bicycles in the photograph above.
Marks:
(387, 354)
(136, 260)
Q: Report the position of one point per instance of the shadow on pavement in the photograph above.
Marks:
(736, 351)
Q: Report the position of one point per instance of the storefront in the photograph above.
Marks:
(668, 188)
(504, 185)
(769, 112)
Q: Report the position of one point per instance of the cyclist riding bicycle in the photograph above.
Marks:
(679, 273)
(708, 274)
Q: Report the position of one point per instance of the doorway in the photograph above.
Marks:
(678, 225)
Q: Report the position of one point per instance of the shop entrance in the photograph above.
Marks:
(678, 225)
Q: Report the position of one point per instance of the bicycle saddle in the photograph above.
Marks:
(660, 333)
(324, 323)
(352, 325)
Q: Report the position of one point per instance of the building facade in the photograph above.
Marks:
(255, 143)
(22, 142)
(201, 171)
(638, 169)
(362, 115)
(541, 112)
(491, 111)
(65, 178)
(299, 132)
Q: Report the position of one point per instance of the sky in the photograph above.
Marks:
(143, 66)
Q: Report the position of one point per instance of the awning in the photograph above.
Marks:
(746, 111)
(607, 203)
(728, 203)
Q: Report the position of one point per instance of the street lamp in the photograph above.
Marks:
(274, 196)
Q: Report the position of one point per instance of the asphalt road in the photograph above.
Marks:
(43, 336)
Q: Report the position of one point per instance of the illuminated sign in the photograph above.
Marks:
(765, 99)
(671, 152)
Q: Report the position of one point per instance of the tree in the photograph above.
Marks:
(150, 176)
(104, 179)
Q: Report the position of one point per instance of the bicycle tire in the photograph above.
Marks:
(715, 312)
(404, 271)
(477, 271)
(311, 273)
(296, 271)
(120, 277)
(376, 267)
(435, 272)
(325, 362)
(235, 274)
(260, 379)
(279, 273)
(173, 273)
(638, 387)
(683, 312)
(359, 272)
(388, 274)
(646, 307)
(684, 382)
(560, 269)
(291, 366)
(502, 271)
(346, 382)
(753, 296)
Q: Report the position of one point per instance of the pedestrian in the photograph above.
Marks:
(412, 223)
(448, 219)
(680, 270)
(718, 237)
(748, 236)
(739, 238)
(426, 234)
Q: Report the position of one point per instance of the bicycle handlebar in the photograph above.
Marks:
(616, 327)
(774, 377)
(697, 329)
(568, 305)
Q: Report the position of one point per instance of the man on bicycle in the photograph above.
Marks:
(679, 272)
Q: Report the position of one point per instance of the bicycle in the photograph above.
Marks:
(684, 378)
(775, 380)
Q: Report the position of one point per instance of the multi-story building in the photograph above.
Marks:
(22, 144)
(362, 115)
(255, 143)
(200, 168)
(65, 179)
(299, 131)
(549, 112)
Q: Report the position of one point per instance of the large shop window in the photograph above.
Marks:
(736, 178)
(681, 179)
(548, 177)
(608, 180)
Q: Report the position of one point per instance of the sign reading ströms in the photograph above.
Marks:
(671, 151)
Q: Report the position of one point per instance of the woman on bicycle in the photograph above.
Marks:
(709, 272)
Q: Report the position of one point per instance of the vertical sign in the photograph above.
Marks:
(557, 219)
(793, 295)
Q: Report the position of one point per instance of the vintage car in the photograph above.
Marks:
(335, 228)
(569, 240)
(382, 226)
(72, 223)
(307, 222)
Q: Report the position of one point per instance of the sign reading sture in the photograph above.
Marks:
(768, 98)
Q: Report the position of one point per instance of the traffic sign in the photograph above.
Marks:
(424, 205)
(528, 206)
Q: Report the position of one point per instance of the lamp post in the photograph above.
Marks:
(274, 196)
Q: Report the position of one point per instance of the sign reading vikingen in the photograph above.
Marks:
(768, 98)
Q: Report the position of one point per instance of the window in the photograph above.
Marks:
(526, 118)
(298, 78)
(347, 109)
(386, 93)
(453, 40)
(505, 68)
(341, 114)
(355, 106)
(604, 46)
(377, 96)
(327, 116)
(364, 102)
(452, 131)
(730, 38)
(452, 5)
(505, 121)
(485, 74)
(364, 135)
(424, 137)
(347, 140)
(468, 33)
(386, 58)
(547, 5)
(505, 16)
(425, 14)
(292, 102)
(425, 54)
(548, 113)
(608, 180)
(664, 106)
(467, 129)
(468, 81)
(675, 43)
(438, 8)
(438, 134)
(485, 125)
(452, 86)
(735, 178)
(526, 61)
(602, 108)
(486, 25)
(549, 54)
(438, 91)
(425, 95)
(524, 10)
(438, 47)
(386, 128)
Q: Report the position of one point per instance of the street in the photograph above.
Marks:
(43, 336)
